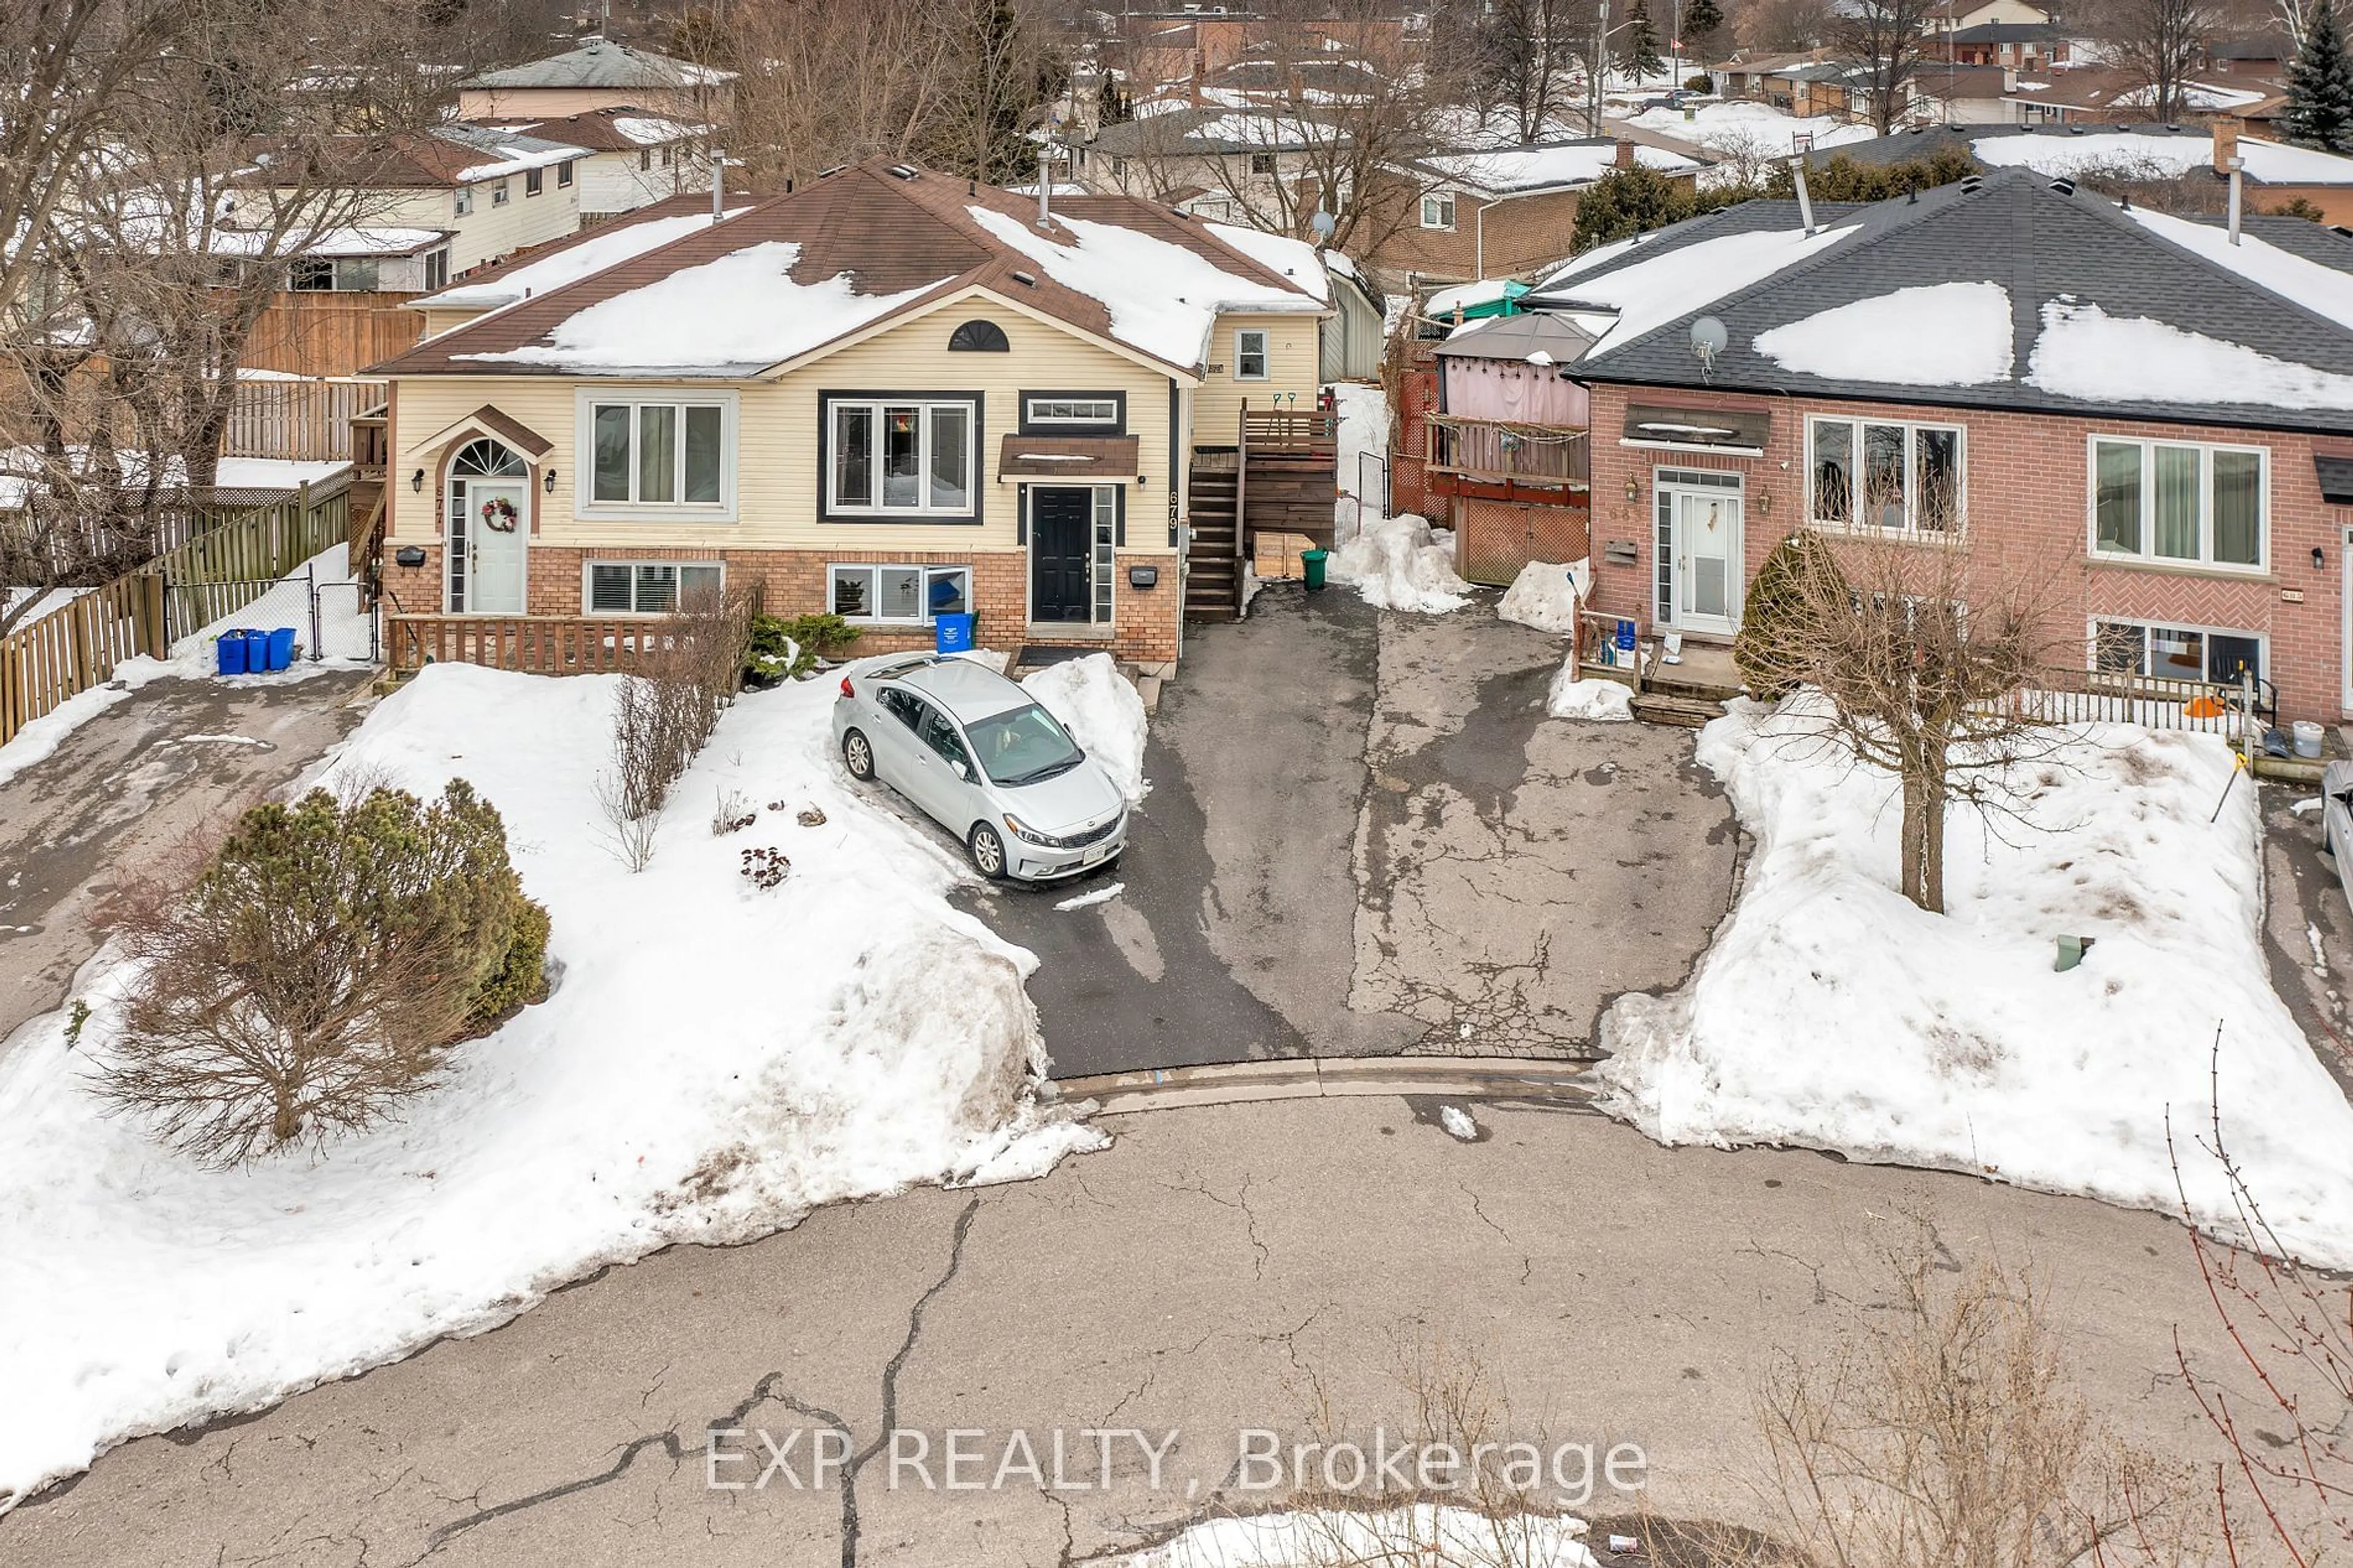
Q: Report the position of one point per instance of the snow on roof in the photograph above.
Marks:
(601, 62)
(646, 131)
(515, 158)
(1741, 125)
(2086, 353)
(2322, 289)
(2172, 153)
(573, 262)
(1539, 167)
(1470, 296)
(1688, 278)
(375, 241)
(1944, 335)
(1163, 299)
(1293, 258)
(734, 316)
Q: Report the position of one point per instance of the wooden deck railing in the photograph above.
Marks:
(1290, 430)
(1493, 449)
(531, 645)
(304, 421)
(78, 645)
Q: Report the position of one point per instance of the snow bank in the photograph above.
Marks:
(1544, 595)
(1363, 427)
(1432, 1533)
(1600, 701)
(1834, 1013)
(715, 1060)
(1402, 564)
(1101, 709)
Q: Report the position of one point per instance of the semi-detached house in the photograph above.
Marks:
(2154, 414)
(889, 395)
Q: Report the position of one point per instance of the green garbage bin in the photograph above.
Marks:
(1313, 560)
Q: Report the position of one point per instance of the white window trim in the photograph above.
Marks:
(834, 507)
(2092, 624)
(2147, 555)
(1444, 201)
(498, 193)
(1911, 529)
(923, 617)
(1029, 414)
(462, 205)
(633, 564)
(584, 455)
(1266, 352)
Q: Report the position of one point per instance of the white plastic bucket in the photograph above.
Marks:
(2308, 738)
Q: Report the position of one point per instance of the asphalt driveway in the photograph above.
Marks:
(1365, 837)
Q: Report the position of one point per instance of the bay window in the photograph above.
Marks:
(1880, 474)
(888, 457)
(2178, 501)
(914, 595)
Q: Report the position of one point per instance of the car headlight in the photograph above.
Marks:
(1029, 835)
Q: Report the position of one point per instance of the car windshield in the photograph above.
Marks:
(1023, 745)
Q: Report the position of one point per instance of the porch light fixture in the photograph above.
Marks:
(1633, 488)
(548, 484)
(2319, 558)
(416, 481)
(1764, 503)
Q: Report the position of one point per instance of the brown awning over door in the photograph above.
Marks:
(1081, 459)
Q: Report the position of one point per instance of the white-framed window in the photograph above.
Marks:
(1887, 475)
(463, 204)
(644, 587)
(437, 269)
(533, 181)
(1071, 411)
(499, 193)
(340, 275)
(1261, 162)
(655, 450)
(564, 174)
(1437, 210)
(2215, 654)
(2181, 501)
(892, 457)
(890, 594)
(1250, 355)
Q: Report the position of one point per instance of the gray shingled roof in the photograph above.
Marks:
(600, 63)
(2012, 228)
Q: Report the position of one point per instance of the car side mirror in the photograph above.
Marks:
(963, 769)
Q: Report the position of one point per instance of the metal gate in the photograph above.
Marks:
(332, 621)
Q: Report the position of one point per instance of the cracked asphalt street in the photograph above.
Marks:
(1219, 1269)
(1365, 838)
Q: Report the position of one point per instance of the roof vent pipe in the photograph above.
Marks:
(718, 183)
(2238, 195)
(1045, 189)
(1805, 198)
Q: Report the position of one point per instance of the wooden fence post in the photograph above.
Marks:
(154, 638)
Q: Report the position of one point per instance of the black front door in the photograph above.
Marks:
(1062, 524)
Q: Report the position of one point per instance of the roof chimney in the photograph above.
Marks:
(2226, 144)
(1194, 95)
(1805, 198)
(1622, 156)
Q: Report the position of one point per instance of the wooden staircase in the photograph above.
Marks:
(1213, 564)
(1686, 695)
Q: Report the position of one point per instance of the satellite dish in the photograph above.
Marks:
(1707, 339)
(1323, 224)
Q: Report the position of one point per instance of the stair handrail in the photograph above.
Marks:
(1242, 482)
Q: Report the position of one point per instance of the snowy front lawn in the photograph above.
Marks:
(1834, 1013)
(715, 1061)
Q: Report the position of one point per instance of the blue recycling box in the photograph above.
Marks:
(952, 634)
(1625, 637)
(257, 651)
(281, 647)
(229, 651)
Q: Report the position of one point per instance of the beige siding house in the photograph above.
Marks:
(599, 74)
(891, 395)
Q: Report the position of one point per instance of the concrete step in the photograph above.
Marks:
(1683, 712)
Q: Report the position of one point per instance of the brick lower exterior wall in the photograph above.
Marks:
(793, 583)
(2028, 502)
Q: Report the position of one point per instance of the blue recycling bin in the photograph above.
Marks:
(281, 647)
(228, 650)
(952, 634)
(1625, 637)
(257, 651)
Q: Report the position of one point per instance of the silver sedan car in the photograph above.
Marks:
(984, 760)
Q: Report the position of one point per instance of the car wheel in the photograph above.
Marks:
(987, 852)
(858, 756)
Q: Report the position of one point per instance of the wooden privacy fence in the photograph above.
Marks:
(225, 568)
(78, 645)
(302, 421)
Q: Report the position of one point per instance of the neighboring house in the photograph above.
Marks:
(1949, 94)
(1758, 77)
(2111, 95)
(633, 158)
(1954, 18)
(348, 301)
(2154, 422)
(1229, 162)
(2188, 167)
(1505, 211)
(492, 193)
(547, 267)
(2021, 46)
(889, 395)
(599, 74)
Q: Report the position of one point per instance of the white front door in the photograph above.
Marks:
(1701, 528)
(498, 528)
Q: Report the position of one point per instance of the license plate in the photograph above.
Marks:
(1093, 854)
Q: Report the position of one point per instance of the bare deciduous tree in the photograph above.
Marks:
(2159, 43)
(1531, 53)
(688, 667)
(1915, 653)
(1880, 41)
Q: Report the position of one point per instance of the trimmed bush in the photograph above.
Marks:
(521, 977)
(1765, 614)
(785, 648)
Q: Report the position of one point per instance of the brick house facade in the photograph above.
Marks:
(2028, 488)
